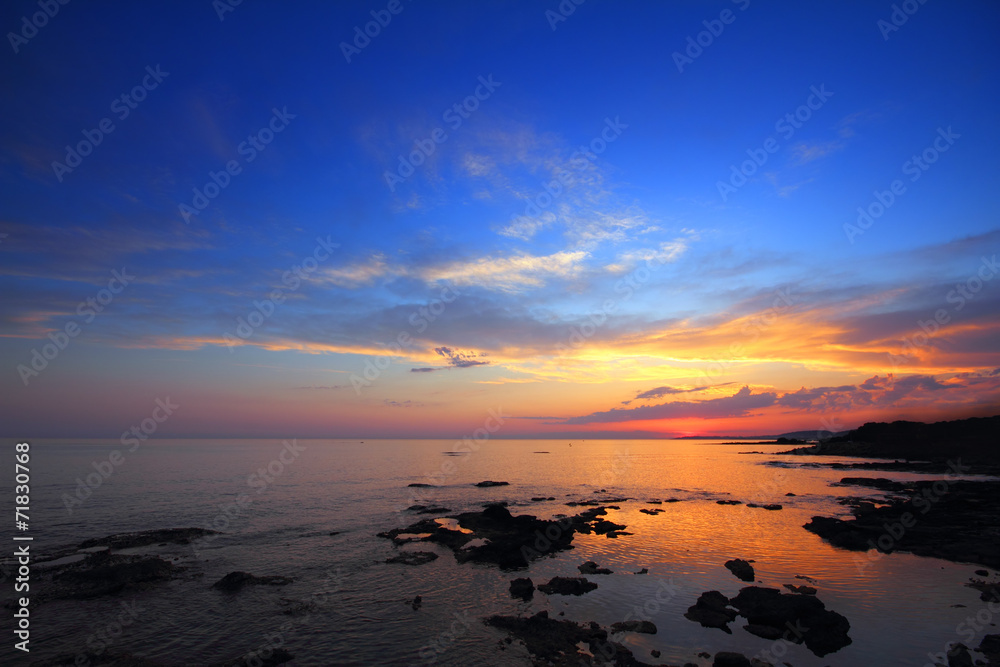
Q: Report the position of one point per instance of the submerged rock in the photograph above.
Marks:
(730, 659)
(741, 569)
(646, 627)
(522, 588)
(413, 557)
(147, 537)
(234, 581)
(802, 590)
(729, 502)
(105, 574)
(567, 586)
(508, 541)
(712, 611)
(799, 618)
(488, 483)
(590, 567)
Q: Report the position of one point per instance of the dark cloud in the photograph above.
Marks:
(424, 370)
(660, 392)
(738, 405)
(461, 359)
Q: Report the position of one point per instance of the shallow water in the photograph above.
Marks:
(900, 606)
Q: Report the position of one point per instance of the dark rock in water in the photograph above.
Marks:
(655, 653)
(538, 499)
(730, 659)
(772, 506)
(958, 656)
(821, 630)
(234, 581)
(416, 602)
(672, 500)
(550, 641)
(790, 494)
(990, 647)
(510, 542)
(741, 569)
(983, 573)
(643, 571)
(987, 591)
(106, 574)
(728, 502)
(567, 586)
(147, 537)
(492, 483)
(712, 611)
(428, 509)
(522, 588)
(413, 557)
(652, 512)
(844, 534)
(335, 532)
(802, 590)
(646, 627)
(420, 485)
(602, 527)
(590, 567)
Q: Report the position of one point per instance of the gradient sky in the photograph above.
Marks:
(635, 296)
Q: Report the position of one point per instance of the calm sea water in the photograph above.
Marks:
(347, 607)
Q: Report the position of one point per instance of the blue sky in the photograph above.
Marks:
(648, 198)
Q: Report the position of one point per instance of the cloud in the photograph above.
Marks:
(424, 370)
(803, 153)
(461, 359)
(660, 392)
(402, 404)
(508, 274)
(738, 405)
(362, 273)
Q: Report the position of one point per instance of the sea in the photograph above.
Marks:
(310, 510)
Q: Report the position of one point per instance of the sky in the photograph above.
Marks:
(415, 219)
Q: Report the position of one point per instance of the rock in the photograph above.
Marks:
(234, 581)
(643, 571)
(655, 653)
(567, 586)
(712, 611)
(730, 659)
(990, 647)
(590, 567)
(603, 527)
(790, 494)
(958, 656)
(419, 485)
(843, 534)
(416, 603)
(491, 483)
(646, 627)
(147, 537)
(652, 512)
(522, 588)
(772, 506)
(335, 532)
(802, 590)
(102, 573)
(551, 641)
(413, 557)
(539, 499)
(983, 573)
(741, 569)
(824, 631)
